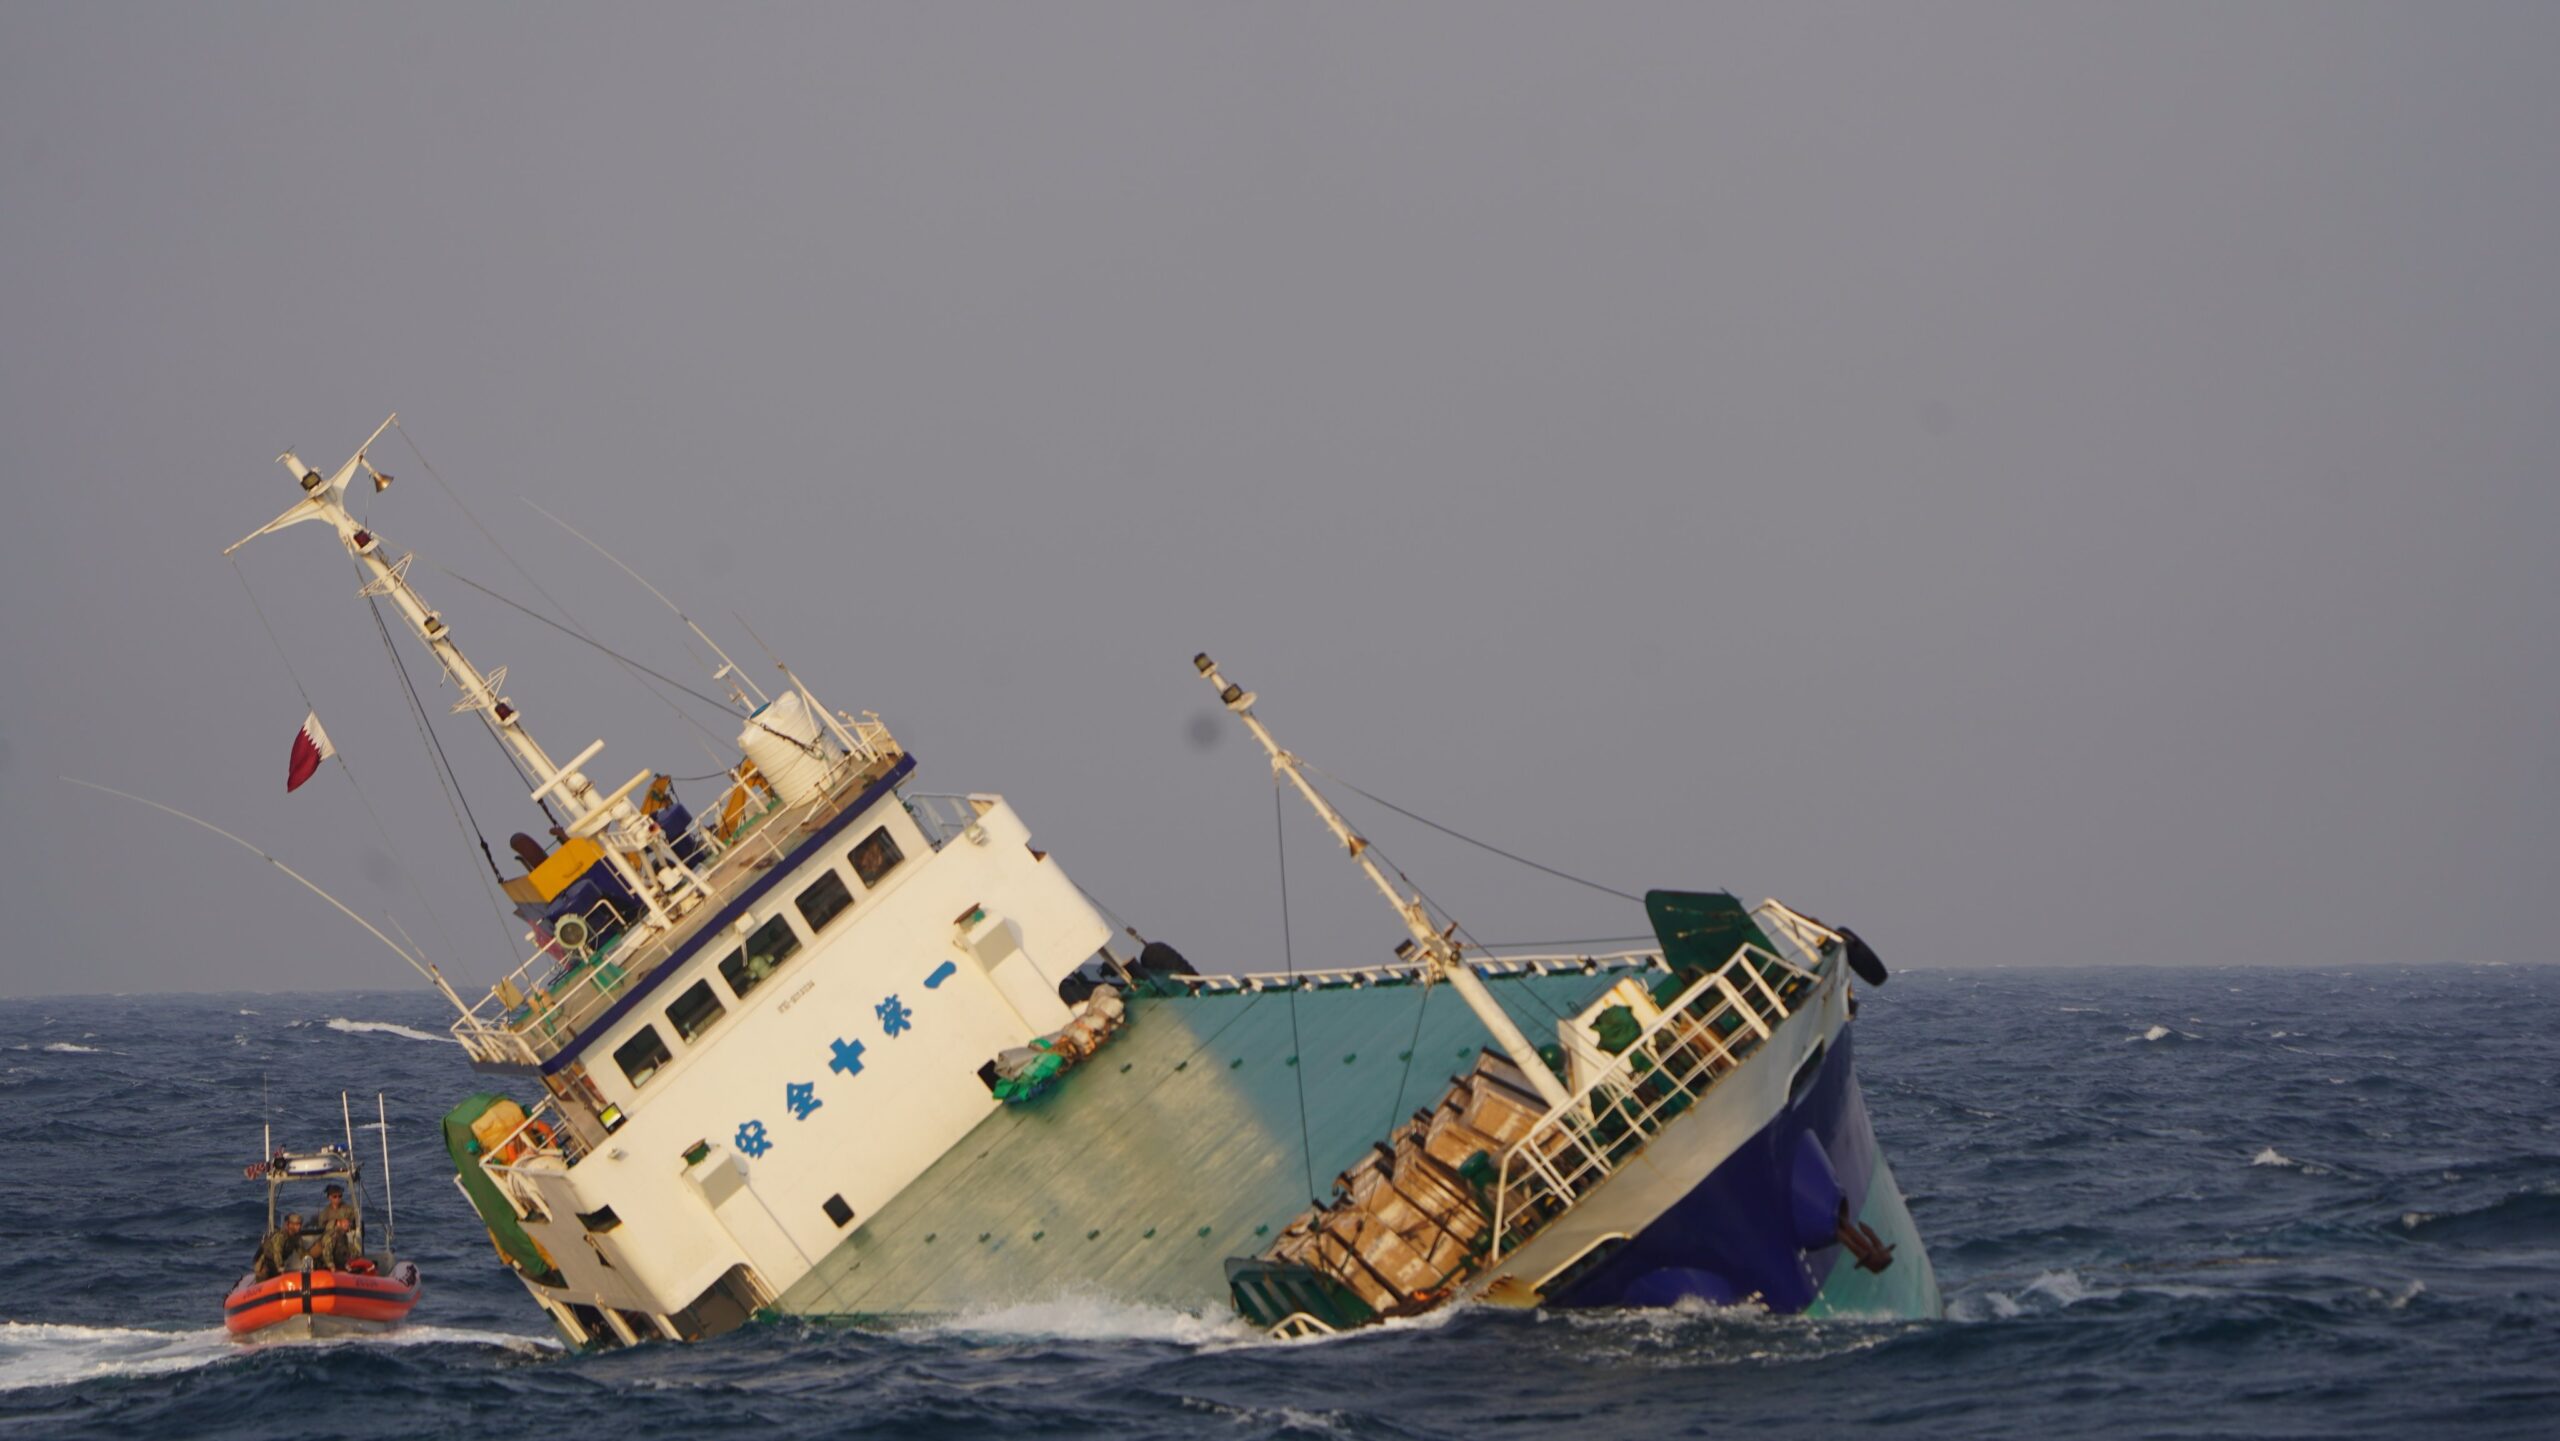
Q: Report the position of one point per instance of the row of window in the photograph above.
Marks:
(764, 952)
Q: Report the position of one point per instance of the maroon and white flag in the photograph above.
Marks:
(310, 747)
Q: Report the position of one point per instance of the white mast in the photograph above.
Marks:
(1437, 949)
(324, 499)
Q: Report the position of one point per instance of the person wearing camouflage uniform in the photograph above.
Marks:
(332, 1212)
(335, 1246)
(282, 1250)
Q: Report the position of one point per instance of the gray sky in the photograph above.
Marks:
(2041, 484)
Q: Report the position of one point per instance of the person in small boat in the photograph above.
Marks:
(335, 1246)
(282, 1250)
(332, 1211)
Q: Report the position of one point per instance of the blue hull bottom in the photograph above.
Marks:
(1764, 1225)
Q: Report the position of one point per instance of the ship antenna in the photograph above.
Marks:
(348, 1118)
(1429, 942)
(382, 1124)
(728, 667)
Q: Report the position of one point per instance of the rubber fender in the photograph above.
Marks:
(1863, 958)
(1813, 1193)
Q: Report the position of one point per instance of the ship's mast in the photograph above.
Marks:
(324, 499)
(1437, 950)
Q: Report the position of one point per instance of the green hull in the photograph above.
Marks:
(1908, 1288)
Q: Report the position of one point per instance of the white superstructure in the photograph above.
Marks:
(765, 1025)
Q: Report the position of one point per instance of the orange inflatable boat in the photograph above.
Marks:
(372, 1291)
(321, 1303)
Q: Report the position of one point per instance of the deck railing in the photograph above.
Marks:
(1401, 973)
(946, 818)
(545, 1002)
(1704, 1034)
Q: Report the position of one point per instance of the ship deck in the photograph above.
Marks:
(1176, 1147)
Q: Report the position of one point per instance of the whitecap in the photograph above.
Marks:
(390, 1028)
(2270, 1157)
(2156, 1033)
(2062, 1287)
(68, 1048)
(1094, 1318)
(34, 1353)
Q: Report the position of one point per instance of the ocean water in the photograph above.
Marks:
(2205, 1202)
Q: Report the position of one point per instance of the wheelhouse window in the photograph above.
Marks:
(762, 955)
(641, 1056)
(826, 898)
(693, 1012)
(876, 856)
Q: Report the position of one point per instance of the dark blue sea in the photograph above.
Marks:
(2196, 1202)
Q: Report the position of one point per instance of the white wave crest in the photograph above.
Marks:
(2156, 1033)
(37, 1354)
(2270, 1156)
(2049, 1291)
(41, 1354)
(59, 1048)
(389, 1028)
(1095, 1318)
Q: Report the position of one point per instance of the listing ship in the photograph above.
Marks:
(838, 1046)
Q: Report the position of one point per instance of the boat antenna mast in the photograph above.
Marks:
(382, 1125)
(324, 499)
(1438, 952)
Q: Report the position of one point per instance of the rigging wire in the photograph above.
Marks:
(573, 628)
(444, 763)
(1434, 907)
(1411, 1045)
(1470, 840)
(344, 768)
(722, 706)
(449, 783)
(1289, 957)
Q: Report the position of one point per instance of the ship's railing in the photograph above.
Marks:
(946, 818)
(1404, 973)
(1298, 1326)
(1810, 938)
(545, 1002)
(1702, 1035)
(872, 742)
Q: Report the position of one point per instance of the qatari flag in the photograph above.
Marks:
(310, 747)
